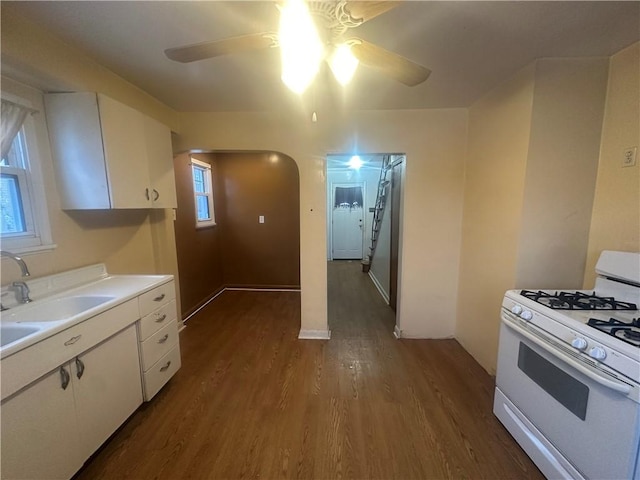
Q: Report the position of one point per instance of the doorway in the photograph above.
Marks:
(348, 226)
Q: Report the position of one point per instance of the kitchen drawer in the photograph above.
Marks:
(161, 372)
(158, 344)
(151, 300)
(154, 321)
(25, 366)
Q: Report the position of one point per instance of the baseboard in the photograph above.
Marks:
(397, 332)
(314, 334)
(375, 281)
(203, 304)
(263, 289)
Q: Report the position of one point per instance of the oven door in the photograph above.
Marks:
(584, 412)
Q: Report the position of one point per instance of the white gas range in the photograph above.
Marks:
(568, 375)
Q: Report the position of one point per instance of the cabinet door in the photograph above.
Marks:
(76, 143)
(39, 431)
(107, 388)
(160, 155)
(125, 153)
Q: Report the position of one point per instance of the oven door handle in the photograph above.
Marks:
(605, 382)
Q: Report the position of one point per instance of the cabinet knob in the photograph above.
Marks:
(161, 319)
(146, 193)
(164, 369)
(156, 195)
(159, 298)
(164, 339)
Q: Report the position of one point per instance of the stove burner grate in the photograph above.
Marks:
(627, 332)
(577, 301)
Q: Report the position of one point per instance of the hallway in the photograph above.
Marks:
(253, 401)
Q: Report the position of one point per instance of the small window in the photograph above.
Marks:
(24, 222)
(203, 193)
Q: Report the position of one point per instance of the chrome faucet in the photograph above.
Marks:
(22, 291)
(18, 260)
(21, 288)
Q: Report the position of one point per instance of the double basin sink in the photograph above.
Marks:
(34, 317)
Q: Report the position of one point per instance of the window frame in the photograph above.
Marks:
(208, 193)
(37, 236)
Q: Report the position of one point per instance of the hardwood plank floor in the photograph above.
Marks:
(253, 401)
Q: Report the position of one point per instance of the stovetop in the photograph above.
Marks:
(606, 314)
(576, 300)
(628, 332)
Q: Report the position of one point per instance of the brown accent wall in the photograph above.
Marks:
(239, 251)
(198, 251)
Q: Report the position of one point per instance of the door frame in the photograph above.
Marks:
(330, 201)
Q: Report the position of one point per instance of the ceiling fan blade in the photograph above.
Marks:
(200, 51)
(389, 63)
(367, 10)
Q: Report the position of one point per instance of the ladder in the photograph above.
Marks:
(381, 200)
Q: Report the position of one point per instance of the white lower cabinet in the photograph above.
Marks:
(51, 427)
(106, 387)
(39, 431)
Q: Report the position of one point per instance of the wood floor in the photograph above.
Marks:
(253, 401)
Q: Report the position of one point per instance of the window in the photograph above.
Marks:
(24, 222)
(203, 193)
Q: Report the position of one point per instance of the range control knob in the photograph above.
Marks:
(526, 315)
(598, 353)
(579, 343)
(516, 309)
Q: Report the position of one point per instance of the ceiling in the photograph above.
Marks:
(470, 47)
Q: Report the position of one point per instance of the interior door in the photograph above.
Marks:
(347, 221)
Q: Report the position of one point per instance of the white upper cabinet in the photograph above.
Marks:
(108, 155)
(160, 156)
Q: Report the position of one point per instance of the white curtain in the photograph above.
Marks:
(11, 121)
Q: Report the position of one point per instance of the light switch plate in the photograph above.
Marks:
(261, 219)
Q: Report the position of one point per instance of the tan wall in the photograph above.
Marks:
(615, 224)
(562, 161)
(498, 143)
(530, 176)
(434, 143)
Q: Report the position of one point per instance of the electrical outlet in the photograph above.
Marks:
(629, 158)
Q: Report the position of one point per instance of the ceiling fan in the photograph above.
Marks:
(332, 20)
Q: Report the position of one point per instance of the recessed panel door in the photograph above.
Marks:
(347, 222)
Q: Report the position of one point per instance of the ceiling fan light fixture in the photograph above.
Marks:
(343, 64)
(300, 46)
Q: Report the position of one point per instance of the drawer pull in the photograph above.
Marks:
(72, 340)
(161, 319)
(64, 377)
(164, 339)
(159, 298)
(164, 369)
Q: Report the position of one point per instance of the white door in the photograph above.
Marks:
(347, 221)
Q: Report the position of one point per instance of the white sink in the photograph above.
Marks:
(13, 333)
(55, 310)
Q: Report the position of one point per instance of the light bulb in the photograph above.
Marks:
(343, 64)
(300, 46)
